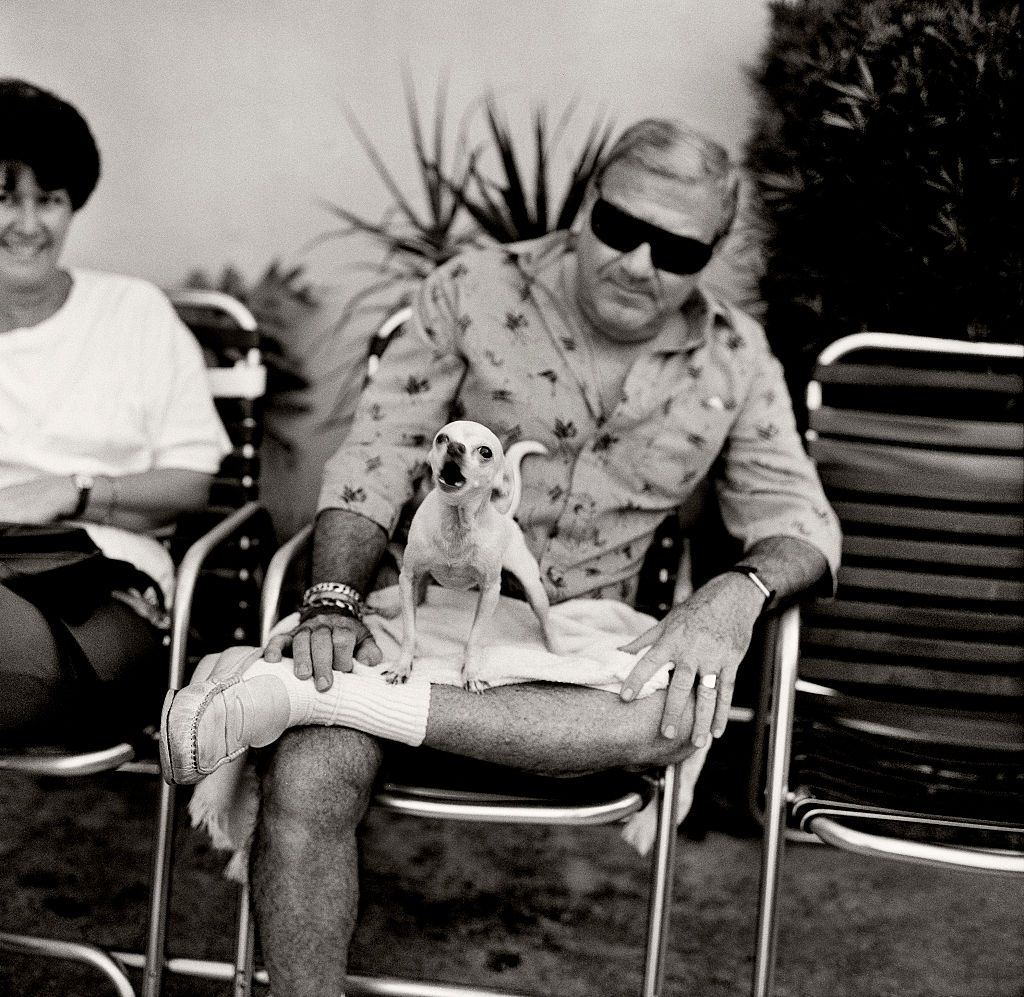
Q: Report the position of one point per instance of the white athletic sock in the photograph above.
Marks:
(362, 702)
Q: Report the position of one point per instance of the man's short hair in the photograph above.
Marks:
(49, 136)
(697, 159)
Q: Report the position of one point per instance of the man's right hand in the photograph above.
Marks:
(325, 642)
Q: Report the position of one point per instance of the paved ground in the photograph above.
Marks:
(556, 911)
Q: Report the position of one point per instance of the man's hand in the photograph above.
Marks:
(706, 635)
(325, 642)
(39, 501)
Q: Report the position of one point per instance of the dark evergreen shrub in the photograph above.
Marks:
(887, 155)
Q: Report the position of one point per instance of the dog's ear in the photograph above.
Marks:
(501, 494)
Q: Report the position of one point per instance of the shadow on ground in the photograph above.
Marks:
(552, 911)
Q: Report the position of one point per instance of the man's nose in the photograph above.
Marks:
(456, 449)
(638, 262)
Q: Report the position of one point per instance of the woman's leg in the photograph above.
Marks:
(32, 667)
(104, 675)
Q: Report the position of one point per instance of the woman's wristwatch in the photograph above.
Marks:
(84, 483)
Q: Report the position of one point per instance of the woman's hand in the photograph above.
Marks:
(41, 500)
(325, 642)
(707, 635)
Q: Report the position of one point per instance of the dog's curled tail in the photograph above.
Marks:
(514, 458)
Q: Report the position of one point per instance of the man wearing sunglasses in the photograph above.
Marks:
(602, 344)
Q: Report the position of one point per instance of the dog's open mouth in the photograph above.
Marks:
(451, 475)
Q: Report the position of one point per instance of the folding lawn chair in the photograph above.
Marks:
(224, 564)
(898, 730)
(493, 794)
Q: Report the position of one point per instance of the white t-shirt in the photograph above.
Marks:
(112, 383)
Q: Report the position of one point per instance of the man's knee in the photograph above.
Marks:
(660, 751)
(318, 775)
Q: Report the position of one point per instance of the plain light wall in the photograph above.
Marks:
(221, 127)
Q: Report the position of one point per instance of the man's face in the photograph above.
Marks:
(623, 294)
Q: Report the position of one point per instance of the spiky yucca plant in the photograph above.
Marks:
(510, 209)
(464, 205)
(413, 240)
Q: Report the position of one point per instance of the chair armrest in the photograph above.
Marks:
(951, 856)
(774, 717)
(185, 584)
(273, 582)
(68, 764)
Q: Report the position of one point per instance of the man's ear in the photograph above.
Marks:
(501, 495)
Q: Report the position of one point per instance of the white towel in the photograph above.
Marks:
(588, 633)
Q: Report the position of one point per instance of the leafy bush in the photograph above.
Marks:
(887, 157)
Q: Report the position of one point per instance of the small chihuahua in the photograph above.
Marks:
(463, 534)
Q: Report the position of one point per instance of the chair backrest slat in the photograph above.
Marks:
(964, 588)
(918, 429)
(914, 517)
(941, 380)
(894, 675)
(920, 447)
(859, 468)
(933, 648)
(934, 552)
(890, 616)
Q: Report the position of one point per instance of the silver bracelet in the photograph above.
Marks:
(338, 590)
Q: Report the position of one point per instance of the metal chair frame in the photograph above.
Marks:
(246, 379)
(666, 789)
(665, 786)
(780, 698)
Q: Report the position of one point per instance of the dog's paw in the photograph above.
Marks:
(396, 675)
(475, 684)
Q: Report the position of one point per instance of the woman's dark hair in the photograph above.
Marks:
(40, 131)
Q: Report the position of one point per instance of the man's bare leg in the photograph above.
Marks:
(556, 729)
(317, 787)
(305, 873)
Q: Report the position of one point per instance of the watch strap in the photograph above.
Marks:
(751, 572)
(84, 483)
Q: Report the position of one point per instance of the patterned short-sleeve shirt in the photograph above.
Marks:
(493, 339)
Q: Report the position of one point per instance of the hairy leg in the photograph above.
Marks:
(315, 791)
(554, 729)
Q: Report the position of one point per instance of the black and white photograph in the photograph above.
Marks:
(513, 497)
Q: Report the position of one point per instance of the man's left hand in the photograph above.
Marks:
(39, 501)
(705, 638)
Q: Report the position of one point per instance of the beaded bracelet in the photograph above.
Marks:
(338, 606)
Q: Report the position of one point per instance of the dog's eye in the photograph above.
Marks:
(485, 452)
(440, 440)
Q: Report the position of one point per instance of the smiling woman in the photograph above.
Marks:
(107, 430)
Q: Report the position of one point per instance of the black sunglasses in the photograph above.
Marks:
(672, 253)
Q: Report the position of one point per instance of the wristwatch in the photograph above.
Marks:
(751, 572)
(84, 483)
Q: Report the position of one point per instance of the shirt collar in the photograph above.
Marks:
(701, 312)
